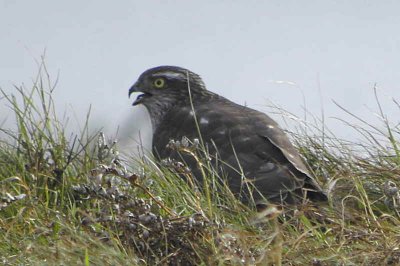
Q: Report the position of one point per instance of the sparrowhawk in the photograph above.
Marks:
(249, 144)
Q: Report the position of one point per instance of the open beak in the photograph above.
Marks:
(141, 97)
(133, 89)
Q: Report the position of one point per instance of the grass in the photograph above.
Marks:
(71, 200)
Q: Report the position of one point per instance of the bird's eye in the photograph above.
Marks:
(159, 83)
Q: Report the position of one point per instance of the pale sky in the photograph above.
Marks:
(243, 49)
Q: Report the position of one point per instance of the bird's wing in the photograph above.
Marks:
(263, 175)
(268, 129)
(265, 127)
(274, 134)
(253, 123)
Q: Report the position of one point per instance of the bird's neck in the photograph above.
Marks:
(158, 111)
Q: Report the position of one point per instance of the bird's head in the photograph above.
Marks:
(165, 85)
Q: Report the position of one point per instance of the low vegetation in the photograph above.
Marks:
(73, 200)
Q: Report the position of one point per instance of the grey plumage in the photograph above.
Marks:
(243, 138)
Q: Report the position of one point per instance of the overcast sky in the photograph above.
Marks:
(323, 50)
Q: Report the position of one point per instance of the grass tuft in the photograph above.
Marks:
(72, 199)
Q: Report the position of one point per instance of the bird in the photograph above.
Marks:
(250, 147)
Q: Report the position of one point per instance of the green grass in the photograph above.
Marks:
(71, 200)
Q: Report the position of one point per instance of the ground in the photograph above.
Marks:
(68, 200)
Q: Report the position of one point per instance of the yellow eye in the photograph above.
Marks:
(159, 83)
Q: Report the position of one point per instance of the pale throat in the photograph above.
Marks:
(157, 111)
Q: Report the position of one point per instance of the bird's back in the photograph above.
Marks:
(247, 142)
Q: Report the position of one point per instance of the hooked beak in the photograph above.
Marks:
(133, 89)
(141, 97)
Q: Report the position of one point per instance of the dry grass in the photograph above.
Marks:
(73, 200)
